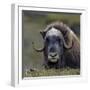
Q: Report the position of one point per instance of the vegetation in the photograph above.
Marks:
(52, 72)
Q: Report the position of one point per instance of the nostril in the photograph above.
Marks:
(53, 54)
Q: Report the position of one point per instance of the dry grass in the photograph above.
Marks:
(52, 72)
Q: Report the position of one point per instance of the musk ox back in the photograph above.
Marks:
(61, 46)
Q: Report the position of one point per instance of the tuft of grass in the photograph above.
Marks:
(52, 72)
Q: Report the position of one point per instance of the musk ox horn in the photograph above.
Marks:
(39, 49)
(68, 41)
(43, 33)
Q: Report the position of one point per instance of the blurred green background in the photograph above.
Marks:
(32, 23)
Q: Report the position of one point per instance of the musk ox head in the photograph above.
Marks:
(53, 45)
(57, 39)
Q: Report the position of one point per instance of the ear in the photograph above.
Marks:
(43, 33)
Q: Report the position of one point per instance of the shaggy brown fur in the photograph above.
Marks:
(71, 55)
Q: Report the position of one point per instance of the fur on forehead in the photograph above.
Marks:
(53, 31)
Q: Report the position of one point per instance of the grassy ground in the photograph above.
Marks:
(52, 72)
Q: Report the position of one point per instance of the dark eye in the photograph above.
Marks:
(47, 40)
(58, 39)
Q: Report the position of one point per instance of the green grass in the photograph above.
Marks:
(52, 72)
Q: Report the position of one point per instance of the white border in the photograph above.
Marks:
(17, 47)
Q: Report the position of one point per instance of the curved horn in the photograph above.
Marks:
(38, 50)
(68, 44)
(42, 33)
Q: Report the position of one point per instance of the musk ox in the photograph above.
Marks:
(61, 46)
